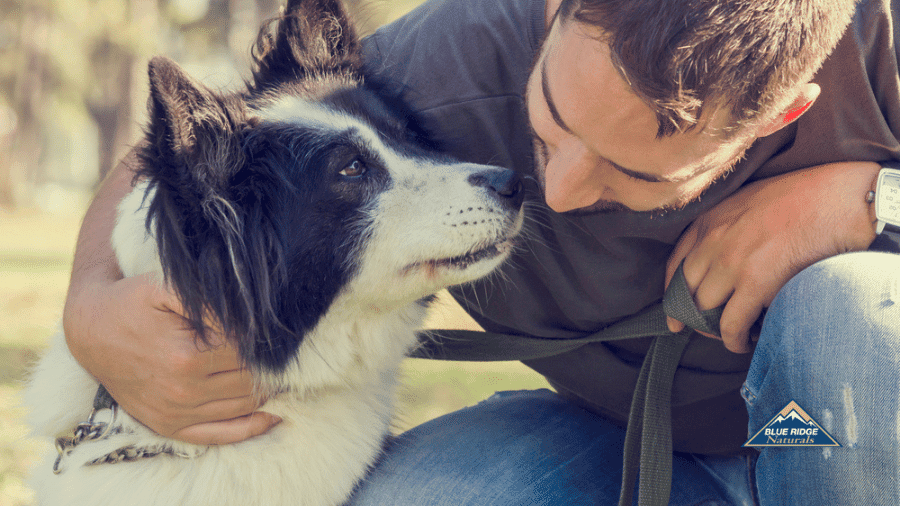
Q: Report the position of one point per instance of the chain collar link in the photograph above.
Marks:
(97, 430)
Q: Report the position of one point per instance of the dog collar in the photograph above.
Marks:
(100, 425)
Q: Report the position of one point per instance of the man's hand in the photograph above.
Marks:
(741, 252)
(129, 335)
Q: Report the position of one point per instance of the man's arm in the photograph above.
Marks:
(127, 333)
(741, 252)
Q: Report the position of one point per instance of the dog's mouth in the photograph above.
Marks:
(463, 262)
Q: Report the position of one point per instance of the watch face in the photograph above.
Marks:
(887, 196)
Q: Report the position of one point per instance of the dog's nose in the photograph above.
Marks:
(505, 184)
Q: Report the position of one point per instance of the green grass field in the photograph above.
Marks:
(35, 256)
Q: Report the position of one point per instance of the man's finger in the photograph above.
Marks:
(172, 420)
(220, 359)
(231, 384)
(228, 431)
(225, 409)
(694, 276)
(742, 311)
(684, 246)
(675, 326)
(715, 289)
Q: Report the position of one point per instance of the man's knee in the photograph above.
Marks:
(856, 292)
(833, 320)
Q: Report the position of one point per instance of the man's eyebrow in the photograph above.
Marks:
(554, 113)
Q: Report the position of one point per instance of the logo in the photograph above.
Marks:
(792, 427)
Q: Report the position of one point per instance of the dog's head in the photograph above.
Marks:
(269, 205)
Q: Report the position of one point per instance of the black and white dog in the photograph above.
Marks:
(303, 219)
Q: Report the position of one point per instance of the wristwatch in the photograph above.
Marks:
(887, 211)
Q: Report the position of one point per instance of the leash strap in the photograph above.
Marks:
(648, 439)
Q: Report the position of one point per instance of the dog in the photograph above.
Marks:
(300, 218)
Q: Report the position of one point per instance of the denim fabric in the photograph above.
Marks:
(527, 448)
(830, 342)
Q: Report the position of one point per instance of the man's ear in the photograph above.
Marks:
(808, 94)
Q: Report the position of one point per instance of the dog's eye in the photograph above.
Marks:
(355, 169)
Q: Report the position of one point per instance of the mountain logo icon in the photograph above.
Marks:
(792, 426)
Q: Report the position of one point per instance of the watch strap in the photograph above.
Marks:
(888, 240)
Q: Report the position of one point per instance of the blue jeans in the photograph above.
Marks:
(830, 342)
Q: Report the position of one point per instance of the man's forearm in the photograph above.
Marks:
(94, 251)
(94, 260)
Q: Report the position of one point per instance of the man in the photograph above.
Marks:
(660, 132)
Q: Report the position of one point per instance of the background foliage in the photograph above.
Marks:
(72, 98)
(73, 85)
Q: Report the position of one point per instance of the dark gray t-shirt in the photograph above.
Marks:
(462, 66)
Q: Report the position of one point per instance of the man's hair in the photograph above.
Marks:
(684, 56)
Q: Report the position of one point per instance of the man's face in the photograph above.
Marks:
(595, 140)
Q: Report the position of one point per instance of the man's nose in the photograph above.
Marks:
(571, 180)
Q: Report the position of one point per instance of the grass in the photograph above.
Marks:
(35, 255)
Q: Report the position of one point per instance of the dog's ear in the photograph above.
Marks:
(194, 159)
(185, 115)
(311, 37)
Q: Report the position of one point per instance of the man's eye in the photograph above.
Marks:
(355, 169)
(632, 178)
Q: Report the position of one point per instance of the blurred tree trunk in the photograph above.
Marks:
(110, 104)
(24, 168)
(267, 8)
(117, 97)
(6, 168)
(218, 21)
